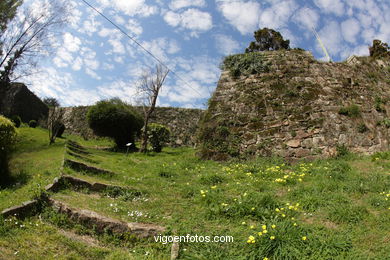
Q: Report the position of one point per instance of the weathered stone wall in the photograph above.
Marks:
(181, 121)
(17, 99)
(293, 109)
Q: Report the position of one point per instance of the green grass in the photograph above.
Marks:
(339, 205)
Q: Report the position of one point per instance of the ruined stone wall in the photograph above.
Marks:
(299, 108)
(181, 121)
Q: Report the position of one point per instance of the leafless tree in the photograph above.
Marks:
(54, 123)
(151, 82)
(29, 36)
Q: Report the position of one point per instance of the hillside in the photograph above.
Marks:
(327, 209)
(286, 103)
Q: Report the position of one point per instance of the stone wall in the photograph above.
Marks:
(181, 121)
(17, 99)
(299, 108)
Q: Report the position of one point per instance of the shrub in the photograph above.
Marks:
(8, 135)
(16, 120)
(115, 119)
(32, 123)
(158, 136)
(351, 111)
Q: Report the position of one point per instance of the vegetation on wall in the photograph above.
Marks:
(245, 64)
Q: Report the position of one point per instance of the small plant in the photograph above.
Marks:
(32, 123)
(385, 122)
(351, 111)
(16, 120)
(379, 104)
(342, 150)
(158, 136)
(362, 128)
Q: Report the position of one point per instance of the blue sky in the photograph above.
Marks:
(94, 61)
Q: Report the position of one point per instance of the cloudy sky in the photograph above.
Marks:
(95, 61)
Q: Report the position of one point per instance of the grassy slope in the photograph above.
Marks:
(340, 211)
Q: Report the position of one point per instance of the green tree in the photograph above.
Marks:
(379, 49)
(268, 40)
(116, 119)
(7, 12)
(51, 102)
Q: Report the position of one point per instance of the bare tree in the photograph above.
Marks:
(54, 123)
(28, 36)
(150, 85)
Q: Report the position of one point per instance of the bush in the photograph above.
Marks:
(158, 136)
(115, 119)
(8, 135)
(16, 120)
(32, 123)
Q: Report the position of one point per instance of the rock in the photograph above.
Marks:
(175, 250)
(294, 143)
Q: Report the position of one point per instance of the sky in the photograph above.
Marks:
(95, 61)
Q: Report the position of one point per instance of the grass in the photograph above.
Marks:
(326, 209)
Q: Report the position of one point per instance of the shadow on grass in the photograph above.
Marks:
(14, 181)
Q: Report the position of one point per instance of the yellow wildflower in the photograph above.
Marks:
(264, 227)
(273, 226)
(304, 238)
(214, 187)
(265, 231)
(272, 237)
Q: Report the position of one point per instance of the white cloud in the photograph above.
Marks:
(177, 4)
(71, 43)
(331, 6)
(92, 73)
(277, 15)
(226, 44)
(244, 16)
(160, 47)
(200, 74)
(307, 17)
(130, 7)
(77, 64)
(332, 38)
(350, 29)
(191, 19)
(121, 89)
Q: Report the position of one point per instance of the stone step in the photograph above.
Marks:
(61, 182)
(102, 224)
(79, 166)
